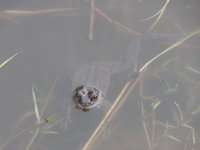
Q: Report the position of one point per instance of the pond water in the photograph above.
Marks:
(161, 112)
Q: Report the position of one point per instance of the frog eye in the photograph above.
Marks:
(93, 94)
(93, 99)
(76, 97)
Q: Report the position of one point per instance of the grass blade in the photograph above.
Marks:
(36, 107)
(9, 59)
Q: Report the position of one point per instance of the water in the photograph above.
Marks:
(55, 43)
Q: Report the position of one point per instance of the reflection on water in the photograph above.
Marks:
(162, 112)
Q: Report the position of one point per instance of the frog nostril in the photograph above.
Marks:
(82, 92)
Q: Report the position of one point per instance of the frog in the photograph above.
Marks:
(90, 84)
(91, 81)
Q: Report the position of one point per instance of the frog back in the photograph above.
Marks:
(92, 74)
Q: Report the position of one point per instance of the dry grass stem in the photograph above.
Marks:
(9, 59)
(125, 92)
(92, 15)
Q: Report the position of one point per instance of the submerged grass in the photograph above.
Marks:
(1, 66)
(125, 92)
(159, 14)
(37, 114)
(37, 127)
(39, 122)
(121, 98)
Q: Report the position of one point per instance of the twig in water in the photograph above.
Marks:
(92, 15)
(116, 23)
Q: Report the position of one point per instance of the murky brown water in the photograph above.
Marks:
(53, 37)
